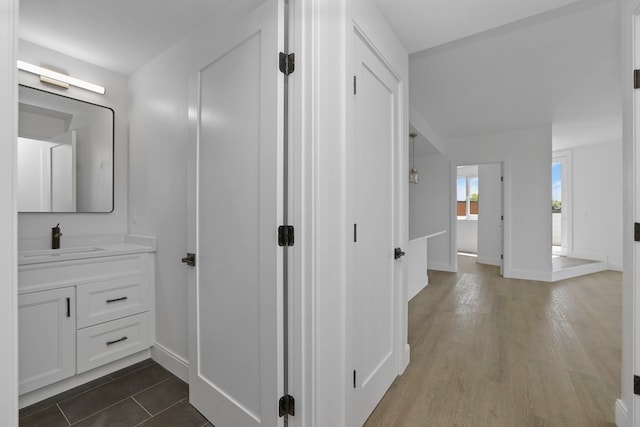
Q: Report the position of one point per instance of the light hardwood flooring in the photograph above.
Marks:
(489, 351)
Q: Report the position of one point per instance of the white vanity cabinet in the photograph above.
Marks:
(81, 310)
(47, 338)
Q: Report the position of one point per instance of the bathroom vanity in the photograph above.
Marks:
(83, 312)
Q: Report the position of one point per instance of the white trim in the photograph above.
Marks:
(580, 270)
(171, 361)
(529, 275)
(622, 415)
(302, 175)
(615, 267)
(592, 256)
(441, 267)
(8, 213)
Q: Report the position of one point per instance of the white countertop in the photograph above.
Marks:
(82, 252)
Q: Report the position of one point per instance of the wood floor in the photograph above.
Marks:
(489, 351)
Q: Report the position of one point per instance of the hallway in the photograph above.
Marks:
(489, 351)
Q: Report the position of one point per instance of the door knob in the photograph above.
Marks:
(190, 259)
(398, 253)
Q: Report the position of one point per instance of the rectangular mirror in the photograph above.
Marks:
(65, 154)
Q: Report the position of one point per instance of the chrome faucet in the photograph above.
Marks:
(55, 237)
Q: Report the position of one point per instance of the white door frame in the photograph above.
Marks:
(319, 90)
(8, 212)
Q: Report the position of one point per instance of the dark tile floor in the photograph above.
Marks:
(144, 394)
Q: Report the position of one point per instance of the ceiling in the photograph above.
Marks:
(476, 66)
(422, 24)
(560, 68)
(120, 35)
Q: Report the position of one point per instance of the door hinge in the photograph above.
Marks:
(636, 232)
(285, 235)
(355, 232)
(287, 405)
(636, 385)
(501, 256)
(502, 179)
(190, 260)
(287, 63)
(354, 85)
(354, 378)
(636, 79)
(501, 217)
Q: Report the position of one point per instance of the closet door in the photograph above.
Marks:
(235, 290)
(373, 196)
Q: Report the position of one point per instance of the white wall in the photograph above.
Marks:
(430, 208)
(35, 229)
(597, 198)
(490, 231)
(8, 217)
(526, 155)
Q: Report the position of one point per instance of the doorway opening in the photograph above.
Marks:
(479, 213)
(560, 203)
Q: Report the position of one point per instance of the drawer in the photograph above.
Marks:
(104, 343)
(34, 277)
(107, 300)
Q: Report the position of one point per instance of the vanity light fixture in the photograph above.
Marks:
(59, 79)
(413, 175)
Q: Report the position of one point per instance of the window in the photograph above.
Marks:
(468, 197)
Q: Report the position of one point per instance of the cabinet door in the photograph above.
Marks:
(46, 335)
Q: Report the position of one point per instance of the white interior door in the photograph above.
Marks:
(235, 290)
(373, 196)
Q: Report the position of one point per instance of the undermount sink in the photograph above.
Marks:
(58, 252)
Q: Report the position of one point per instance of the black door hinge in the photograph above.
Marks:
(636, 232)
(355, 232)
(636, 385)
(190, 260)
(354, 85)
(287, 63)
(502, 179)
(287, 405)
(354, 378)
(285, 235)
(501, 256)
(636, 79)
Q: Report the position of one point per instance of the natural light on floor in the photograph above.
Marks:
(468, 254)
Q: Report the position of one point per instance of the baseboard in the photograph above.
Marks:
(529, 275)
(441, 267)
(172, 362)
(489, 261)
(622, 415)
(415, 290)
(588, 255)
(615, 267)
(406, 358)
(580, 270)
